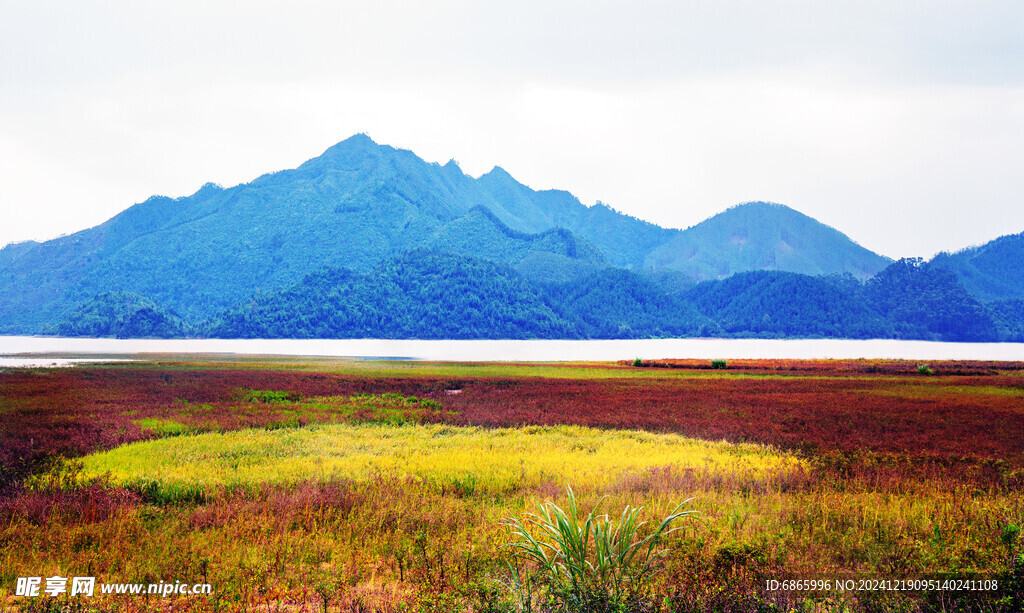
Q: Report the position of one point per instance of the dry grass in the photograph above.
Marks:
(380, 507)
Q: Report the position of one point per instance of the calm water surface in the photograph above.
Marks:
(515, 350)
(43, 362)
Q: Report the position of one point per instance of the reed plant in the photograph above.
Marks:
(589, 563)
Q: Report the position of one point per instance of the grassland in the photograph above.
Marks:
(311, 485)
(490, 462)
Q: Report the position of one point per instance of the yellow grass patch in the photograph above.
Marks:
(484, 460)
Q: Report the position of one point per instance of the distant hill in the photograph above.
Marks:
(1008, 316)
(926, 302)
(993, 271)
(369, 240)
(616, 303)
(360, 204)
(764, 236)
(777, 304)
(354, 206)
(421, 294)
(122, 315)
(431, 294)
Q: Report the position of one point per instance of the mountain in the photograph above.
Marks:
(623, 239)
(551, 255)
(430, 294)
(617, 303)
(122, 315)
(361, 204)
(1008, 316)
(777, 304)
(763, 236)
(354, 206)
(993, 271)
(421, 294)
(927, 302)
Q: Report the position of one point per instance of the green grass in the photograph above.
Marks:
(500, 370)
(271, 396)
(936, 389)
(162, 427)
(588, 563)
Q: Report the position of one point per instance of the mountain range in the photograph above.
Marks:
(369, 240)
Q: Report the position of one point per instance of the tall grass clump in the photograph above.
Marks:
(589, 563)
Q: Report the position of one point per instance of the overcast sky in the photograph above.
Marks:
(899, 123)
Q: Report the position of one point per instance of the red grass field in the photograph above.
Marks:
(830, 409)
(906, 474)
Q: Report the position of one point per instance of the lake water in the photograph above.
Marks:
(51, 362)
(516, 350)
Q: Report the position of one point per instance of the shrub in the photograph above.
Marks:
(272, 397)
(587, 563)
(922, 369)
(638, 362)
(719, 364)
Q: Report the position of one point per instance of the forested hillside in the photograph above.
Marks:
(784, 304)
(122, 315)
(371, 241)
(764, 236)
(434, 295)
(422, 294)
(616, 303)
(993, 271)
(360, 204)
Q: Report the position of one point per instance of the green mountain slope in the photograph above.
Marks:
(422, 294)
(764, 236)
(1008, 316)
(616, 303)
(550, 255)
(624, 240)
(353, 206)
(993, 271)
(926, 302)
(777, 304)
(122, 315)
(360, 204)
(431, 294)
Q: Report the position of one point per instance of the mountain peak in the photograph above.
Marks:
(209, 188)
(498, 173)
(354, 143)
(359, 138)
(762, 205)
(764, 236)
(348, 154)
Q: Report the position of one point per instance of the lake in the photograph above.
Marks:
(25, 347)
(44, 362)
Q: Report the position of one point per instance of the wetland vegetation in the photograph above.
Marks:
(311, 485)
